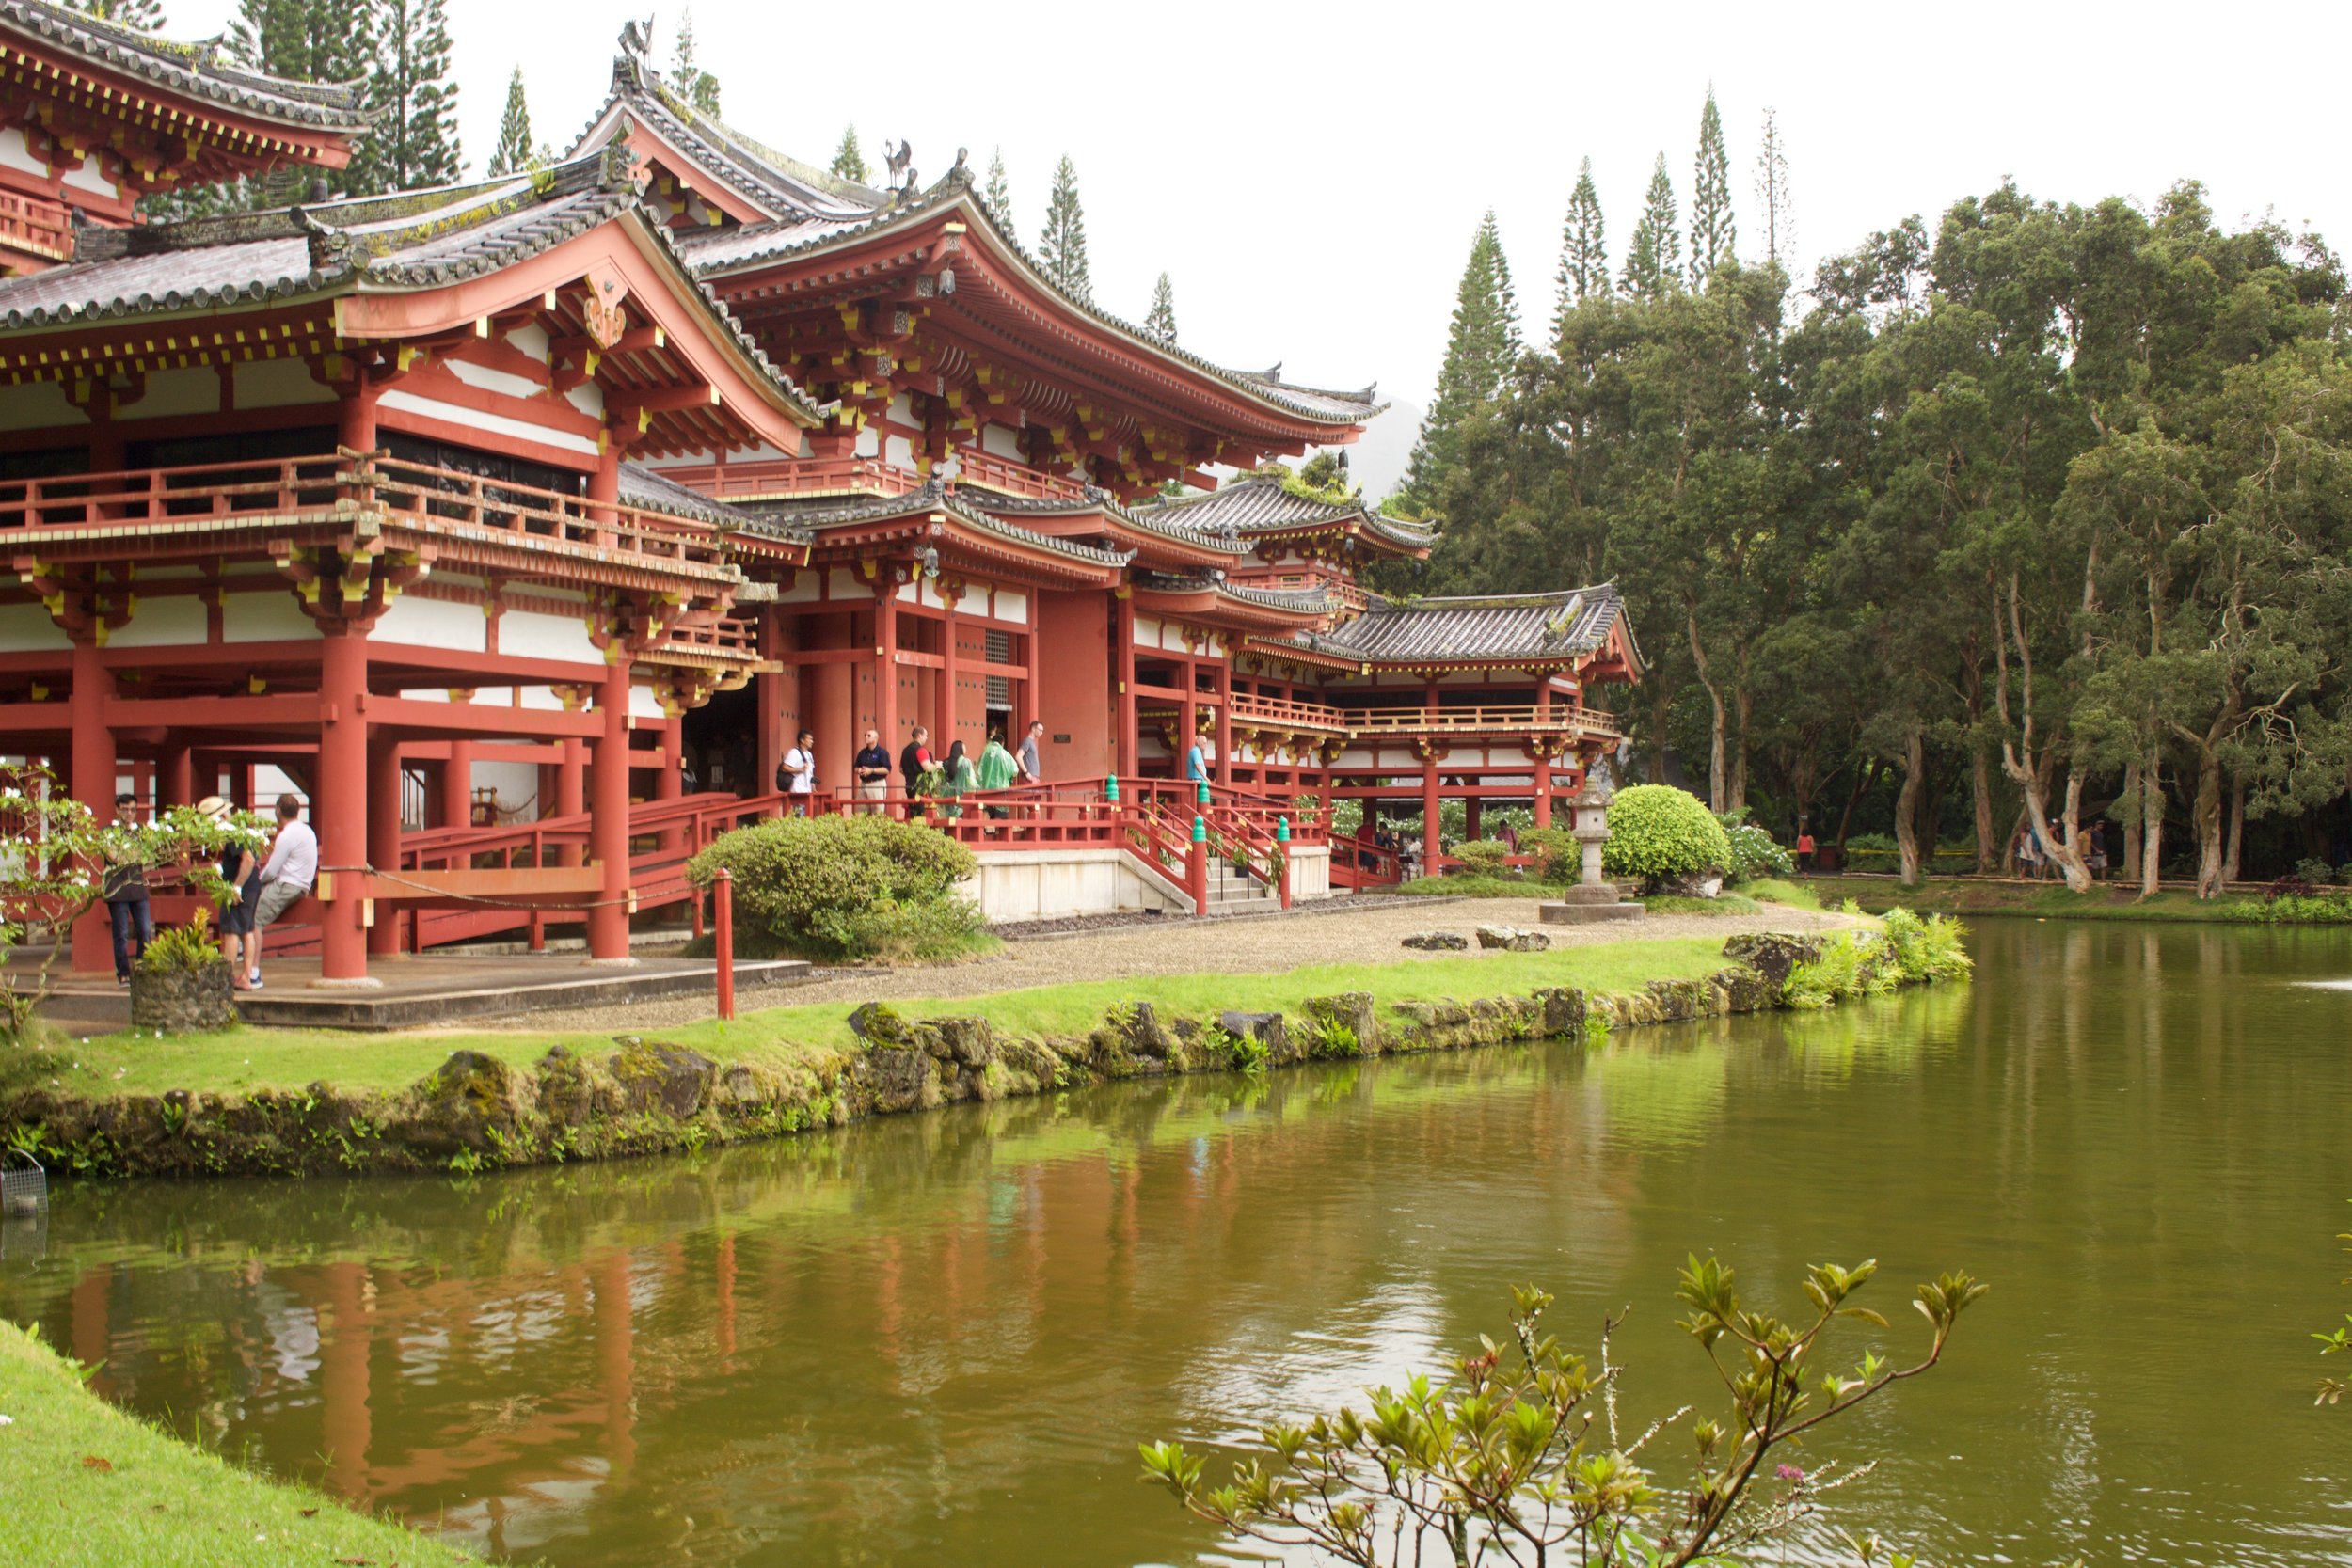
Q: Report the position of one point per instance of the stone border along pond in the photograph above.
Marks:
(478, 1113)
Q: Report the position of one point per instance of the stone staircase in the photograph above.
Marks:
(1231, 893)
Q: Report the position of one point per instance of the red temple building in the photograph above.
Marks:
(488, 515)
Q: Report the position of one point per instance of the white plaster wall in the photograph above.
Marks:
(162, 623)
(1310, 872)
(1012, 605)
(527, 634)
(398, 401)
(277, 384)
(189, 392)
(89, 177)
(272, 617)
(643, 703)
(14, 153)
(434, 624)
(1001, 441)
(845, 583)
(38, 407)
(1048, 884)
(804, 587)
(27, 628)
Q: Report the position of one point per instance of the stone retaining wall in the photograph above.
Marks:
(476, 1112)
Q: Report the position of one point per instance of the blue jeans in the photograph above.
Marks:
(129, 913)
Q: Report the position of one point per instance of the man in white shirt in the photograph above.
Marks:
(799, 773)
(286, 876)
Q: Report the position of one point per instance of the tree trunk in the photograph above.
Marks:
(1660, 702)
(1907, 806)
(1715, 726)
(2206, 817)
(1862, 783)
(2233, 856)
(1980, 781)
(1743, 704)
(2151, 822)
(2129, 870)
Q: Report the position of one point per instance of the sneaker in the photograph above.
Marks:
(253, 982)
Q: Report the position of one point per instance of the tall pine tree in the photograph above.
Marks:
(1161, 322)
(1653, 263)
(1771, 190)
(301, 40)
(415, 140)
(848, 162)
(1713, 235)
(1584, 246)
(513, 154)
(146, 15)
(1063, 245)
(999, 190)
(700, 86)
(1480, 352)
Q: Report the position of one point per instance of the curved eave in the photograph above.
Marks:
(1352, 529)
(1321, 658)
(1129, 349)
(1215, 607)
(128, 66)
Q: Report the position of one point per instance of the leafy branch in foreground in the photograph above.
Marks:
(1521, 1455)
(2332, 1389)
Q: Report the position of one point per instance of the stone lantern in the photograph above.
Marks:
(1594, 899)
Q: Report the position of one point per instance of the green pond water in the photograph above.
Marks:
(938, 1338)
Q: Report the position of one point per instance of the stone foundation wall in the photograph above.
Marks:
(476, 1112)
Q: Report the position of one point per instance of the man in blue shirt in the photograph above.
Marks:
(1196, 765)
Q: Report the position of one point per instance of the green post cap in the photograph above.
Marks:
(1204, 795)
(1110, 787)
(1281, 830)
(1200, 829)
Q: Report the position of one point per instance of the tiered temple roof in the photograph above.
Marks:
(1263, 509)
(1518, 630)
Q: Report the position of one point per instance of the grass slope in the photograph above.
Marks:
(88, 1484)
(253, 1057)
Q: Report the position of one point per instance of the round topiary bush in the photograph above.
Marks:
(1662, 834)
(849, 887)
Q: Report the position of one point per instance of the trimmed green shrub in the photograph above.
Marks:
(1661, 834)
(190, 949)
(1754, 851)
(1563, 856)
(849, 887)
(1482, 857)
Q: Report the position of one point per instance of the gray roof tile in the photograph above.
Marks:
(193, 69)
(1259, 505)
(1540, 627)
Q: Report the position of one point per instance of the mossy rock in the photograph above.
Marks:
(1561, 1011)
(878, 1024)
(1269, 1030)
(1772, 954)
(1351, 1009)
(458, 1106)
(183, 1002)
(896, 1078)
(662, 1078)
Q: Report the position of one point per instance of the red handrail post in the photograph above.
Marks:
(723, 904)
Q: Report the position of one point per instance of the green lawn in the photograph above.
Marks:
(87, 1485)
(253, 1058)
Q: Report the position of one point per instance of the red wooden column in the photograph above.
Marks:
(1543, 763)
(1129, 742)
(608, 805)
(1187, 717)
(767, 743)
(946, 706)
(92, 780)
(1224, 769)
(886, 664)
(175, 776)
(338, 803)
(667, 785)
(457, 787)
(384, 835)
(1025, 706)
(1430, 845)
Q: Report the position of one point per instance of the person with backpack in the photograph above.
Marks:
(796, 775)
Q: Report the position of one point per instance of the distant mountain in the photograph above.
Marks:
(1379, 461)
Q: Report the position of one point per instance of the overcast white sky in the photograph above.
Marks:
(1309, 176)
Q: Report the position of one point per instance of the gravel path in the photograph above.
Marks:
(1179, 946)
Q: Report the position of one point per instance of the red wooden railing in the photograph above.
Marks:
(1283, 713)
(1422, 720)
(29, 223)
(795, 476)
(985, 471)
(435, 498)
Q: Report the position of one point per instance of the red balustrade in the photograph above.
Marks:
(30, 223)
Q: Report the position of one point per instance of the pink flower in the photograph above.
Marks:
(1789, 1472)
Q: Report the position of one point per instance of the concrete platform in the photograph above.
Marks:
(1588, 914)
(434, 990)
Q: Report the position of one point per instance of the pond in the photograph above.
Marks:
(940, 1337)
